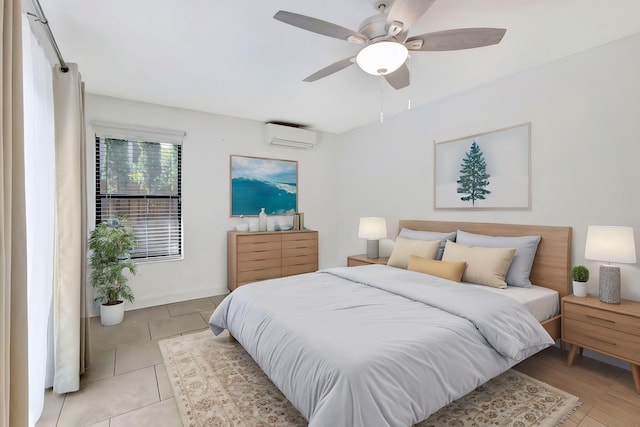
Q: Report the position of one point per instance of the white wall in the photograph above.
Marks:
(585, 151)
(209, 142)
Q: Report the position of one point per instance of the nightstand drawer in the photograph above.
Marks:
(355, 263)
(356, 260)
(606, 319)
(603, 339)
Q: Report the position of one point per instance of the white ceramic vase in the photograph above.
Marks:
(111, 314)
(580, 289)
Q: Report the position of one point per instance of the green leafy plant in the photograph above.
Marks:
(110, 245)
(580, 273)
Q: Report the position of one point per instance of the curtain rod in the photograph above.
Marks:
(43, 20)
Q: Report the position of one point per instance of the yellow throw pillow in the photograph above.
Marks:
(446, 269)
(404, 248)
(485, 266)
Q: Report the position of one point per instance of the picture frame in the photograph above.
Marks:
(259, 182)
(490, 170)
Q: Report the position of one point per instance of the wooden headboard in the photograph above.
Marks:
(553, 257)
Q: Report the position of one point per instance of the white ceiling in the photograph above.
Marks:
(231, 57)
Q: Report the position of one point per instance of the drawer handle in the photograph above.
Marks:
(601, 340)
(600, 318)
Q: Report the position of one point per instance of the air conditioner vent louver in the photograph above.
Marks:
(289, 136)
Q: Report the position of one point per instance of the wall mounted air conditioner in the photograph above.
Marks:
(289, 136)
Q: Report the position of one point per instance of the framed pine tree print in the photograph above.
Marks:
(490, 170)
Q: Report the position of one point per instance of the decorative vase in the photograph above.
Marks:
(580, 289)
(111, 314)
(262, 218)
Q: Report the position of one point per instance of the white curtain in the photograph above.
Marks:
(13, 268)
(39, 155)
(70, 331)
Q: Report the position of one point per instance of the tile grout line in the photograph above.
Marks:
(155, 371)
(64, 399)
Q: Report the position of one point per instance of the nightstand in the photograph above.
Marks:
(355, 260)
(611, 329)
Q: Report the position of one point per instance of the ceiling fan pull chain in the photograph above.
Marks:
(381, 98)
(409, 100)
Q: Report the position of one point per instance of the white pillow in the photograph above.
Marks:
(526, 247)
(429, 235)
(404, 248)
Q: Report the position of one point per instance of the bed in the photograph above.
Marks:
(383, 346)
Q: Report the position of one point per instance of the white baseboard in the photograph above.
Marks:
(159, 300)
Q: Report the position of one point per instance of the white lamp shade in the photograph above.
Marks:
(372, 228)
(382, 58)
(611, 244)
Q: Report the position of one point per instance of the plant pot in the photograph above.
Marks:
(580, 289)
(111, 314)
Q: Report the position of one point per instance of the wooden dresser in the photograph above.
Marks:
(253, 256)
(611, 329)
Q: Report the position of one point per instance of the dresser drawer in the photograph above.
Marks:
(300, 240)
(311, 259)
(259, 247)
(259, 264)
(258, 238)
(606, 319)
(299, 269)
(258, 255)
(609, 341)
(303, 251)
(255, 275)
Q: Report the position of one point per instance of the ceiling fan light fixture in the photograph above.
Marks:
(382, 58)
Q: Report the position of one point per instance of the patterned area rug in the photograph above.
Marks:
(216, 383)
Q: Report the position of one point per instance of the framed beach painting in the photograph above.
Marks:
(485, 171)
(258, 183)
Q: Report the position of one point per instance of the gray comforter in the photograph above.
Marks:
(376, 346)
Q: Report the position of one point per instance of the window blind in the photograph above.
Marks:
(141, 181)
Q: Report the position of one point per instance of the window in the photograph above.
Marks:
(138, 177)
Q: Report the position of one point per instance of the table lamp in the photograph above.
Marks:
(372, 229)
(610, 244)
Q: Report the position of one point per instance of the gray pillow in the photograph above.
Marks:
(407, 233)
(526, 247)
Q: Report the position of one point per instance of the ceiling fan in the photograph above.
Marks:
(385, 41)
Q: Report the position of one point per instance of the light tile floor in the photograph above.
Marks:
(127, 384)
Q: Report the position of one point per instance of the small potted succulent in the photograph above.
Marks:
(580, 277)
(110, 244)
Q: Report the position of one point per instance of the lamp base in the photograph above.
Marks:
(373, 249)
(609, 287)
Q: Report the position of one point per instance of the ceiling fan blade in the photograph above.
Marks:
(461, 38)
(407, 12)
(333, 68)
(319, 26)
(399, 78)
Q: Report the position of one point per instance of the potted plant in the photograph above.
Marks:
(110, 245)
(580, 277)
